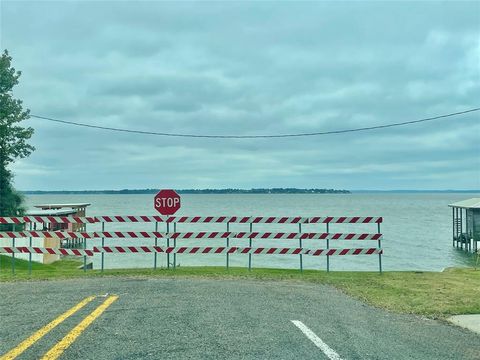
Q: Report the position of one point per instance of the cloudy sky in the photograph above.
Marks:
(247, 68)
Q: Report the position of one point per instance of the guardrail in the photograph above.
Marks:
(169, 236)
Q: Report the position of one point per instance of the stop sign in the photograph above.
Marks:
(167, 202)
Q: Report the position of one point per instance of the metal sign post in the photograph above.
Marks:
(156, 244)
(168, 245)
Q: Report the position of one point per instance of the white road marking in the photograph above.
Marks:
(327, 350)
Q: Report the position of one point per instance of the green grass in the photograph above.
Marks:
(433, 294)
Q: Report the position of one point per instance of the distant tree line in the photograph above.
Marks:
(198, 191)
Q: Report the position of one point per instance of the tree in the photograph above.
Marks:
(13, 137)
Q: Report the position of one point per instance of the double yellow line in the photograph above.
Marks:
(63, 344)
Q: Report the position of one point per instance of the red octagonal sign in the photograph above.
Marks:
(167, 202)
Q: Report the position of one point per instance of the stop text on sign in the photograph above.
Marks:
(167, 202)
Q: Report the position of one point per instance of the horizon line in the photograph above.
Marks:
(250, 189)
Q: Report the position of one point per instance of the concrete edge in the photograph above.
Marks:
(470, 322)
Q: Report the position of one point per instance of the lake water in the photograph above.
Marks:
(417, 228)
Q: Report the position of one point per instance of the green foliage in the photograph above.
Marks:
(11, 201)
(13, 137)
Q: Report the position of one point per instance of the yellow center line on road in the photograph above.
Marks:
(68, 340)
(24, 345)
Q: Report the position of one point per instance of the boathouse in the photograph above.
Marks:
(59, 210)
(466, 224)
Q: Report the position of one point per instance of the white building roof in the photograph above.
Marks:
(51, 212)
(473, 203)
(61, 206)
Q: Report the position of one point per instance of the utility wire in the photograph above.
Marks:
(256, 136)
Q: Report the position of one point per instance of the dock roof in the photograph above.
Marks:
(473, 203)
(51, 212)
(62, 206)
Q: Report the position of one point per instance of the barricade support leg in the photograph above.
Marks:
(300, 244)
(250, 245)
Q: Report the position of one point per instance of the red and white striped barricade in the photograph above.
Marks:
(203, 235)
(82, 235)
(237, 219)
(130, 218)
(48, 219)
(345, 220)
(51, 251)
(200, 235)
(236, 250)
(344, 236)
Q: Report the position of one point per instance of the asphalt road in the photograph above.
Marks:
(218, 319)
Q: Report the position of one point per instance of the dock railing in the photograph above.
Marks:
(302, 229)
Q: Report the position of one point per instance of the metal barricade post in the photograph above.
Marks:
(13, 256)
(30, 254)
(300, 243)
(250, 245)
(380, 248)
(228, 244)
(328, 247)
(103, 245)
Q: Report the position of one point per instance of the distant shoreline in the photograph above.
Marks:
(241, 191)
(190, 191)
(450, 191)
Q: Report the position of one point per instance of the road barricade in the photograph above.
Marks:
(171, 235)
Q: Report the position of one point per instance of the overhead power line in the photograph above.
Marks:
(256, 136)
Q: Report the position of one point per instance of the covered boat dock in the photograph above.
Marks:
(60, 210)
(466, 224)
(79, 210)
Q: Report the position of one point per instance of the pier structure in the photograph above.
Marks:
(466, 224)
(69, 209)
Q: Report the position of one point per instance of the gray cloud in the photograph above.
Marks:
(247, 68)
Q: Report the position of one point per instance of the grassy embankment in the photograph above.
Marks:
(434, 294)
